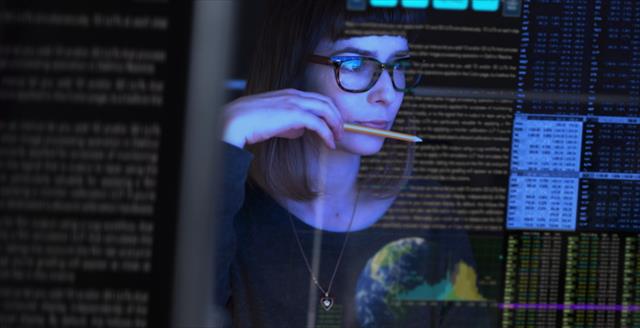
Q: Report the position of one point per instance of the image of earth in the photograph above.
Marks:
(409, 269)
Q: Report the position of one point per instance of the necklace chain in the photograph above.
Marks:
(344, 245)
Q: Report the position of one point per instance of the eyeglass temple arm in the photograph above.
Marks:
(317, 59)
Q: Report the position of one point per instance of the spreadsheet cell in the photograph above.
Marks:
(542, 203)
(612, 148)
(546, 145)
(609, 205)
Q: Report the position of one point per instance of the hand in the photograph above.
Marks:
(282, 113)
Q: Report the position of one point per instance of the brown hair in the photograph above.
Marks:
(291, 31)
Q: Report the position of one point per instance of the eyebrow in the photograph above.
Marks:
(354, 50)
(400, 53)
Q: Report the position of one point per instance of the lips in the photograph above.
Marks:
(377, 124)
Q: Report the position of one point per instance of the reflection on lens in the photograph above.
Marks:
(356, 74)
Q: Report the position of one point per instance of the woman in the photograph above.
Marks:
(303, 247)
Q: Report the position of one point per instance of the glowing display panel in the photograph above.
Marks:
(485, 5)
(384, 3)
(418, 4)
(451, 4)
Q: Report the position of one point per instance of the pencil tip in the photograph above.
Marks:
(418, 139)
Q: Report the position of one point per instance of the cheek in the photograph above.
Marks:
(351, 106)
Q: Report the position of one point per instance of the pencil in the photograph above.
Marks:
(380, 133)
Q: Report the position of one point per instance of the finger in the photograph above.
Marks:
(319, 126)
(314, 95)
(278, 93)
(296, 92)
(321, 109)
(319, 97)
(310, 101)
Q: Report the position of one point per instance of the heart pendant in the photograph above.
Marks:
(327, 303)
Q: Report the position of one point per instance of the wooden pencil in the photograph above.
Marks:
(380, 133)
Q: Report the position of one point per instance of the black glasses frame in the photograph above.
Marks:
(336, 62)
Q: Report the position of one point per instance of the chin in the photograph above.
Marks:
(362, 145)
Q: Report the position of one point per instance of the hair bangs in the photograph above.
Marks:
(374, 21)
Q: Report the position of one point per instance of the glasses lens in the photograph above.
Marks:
(357, 73)
(405, 74)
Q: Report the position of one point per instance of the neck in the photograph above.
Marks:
(333, 173)
(334, 176)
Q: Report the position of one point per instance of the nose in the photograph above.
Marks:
(382, 92)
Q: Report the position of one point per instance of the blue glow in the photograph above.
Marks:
(384, 3)
(451, 4)
(236, 84)
(420, 4)
(485, 5)
(352, 64)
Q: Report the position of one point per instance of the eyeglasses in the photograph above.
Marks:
(359, 74)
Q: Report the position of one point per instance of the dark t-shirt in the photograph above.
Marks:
(387, 278)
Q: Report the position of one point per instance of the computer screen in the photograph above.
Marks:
(121, 207)
(529, 115)
(92, 107)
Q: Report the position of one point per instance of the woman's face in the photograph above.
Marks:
(376, 107)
